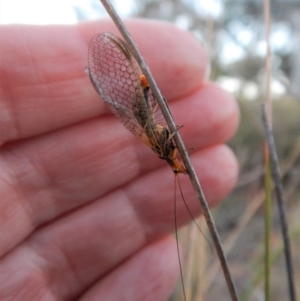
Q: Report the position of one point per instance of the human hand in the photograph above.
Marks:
(86, 208)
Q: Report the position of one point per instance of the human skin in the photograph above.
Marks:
(86, 208)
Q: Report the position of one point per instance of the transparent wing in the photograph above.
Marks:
(119, 81)
(115, 76)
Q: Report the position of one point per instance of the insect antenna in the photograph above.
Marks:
(177, 240)
(190, 213)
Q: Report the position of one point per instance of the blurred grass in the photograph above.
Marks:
(248, 146)
(248, 142)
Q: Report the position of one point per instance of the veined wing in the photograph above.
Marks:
(115, 75)
(119, 81)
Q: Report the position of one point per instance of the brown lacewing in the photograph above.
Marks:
(119, 81)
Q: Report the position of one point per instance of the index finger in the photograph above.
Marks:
(44, 86)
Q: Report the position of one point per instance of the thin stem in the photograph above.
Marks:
(179, 143)
(268, 221)
(268, 200)
(281, 207)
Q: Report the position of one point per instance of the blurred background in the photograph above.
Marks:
(233, 32)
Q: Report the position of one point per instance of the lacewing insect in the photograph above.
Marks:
(119, 81)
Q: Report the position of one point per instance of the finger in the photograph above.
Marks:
(44, 86)
(50, 175)
(78, 249)
(149, 275)
(209, 116)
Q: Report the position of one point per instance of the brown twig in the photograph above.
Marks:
(179, 143)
